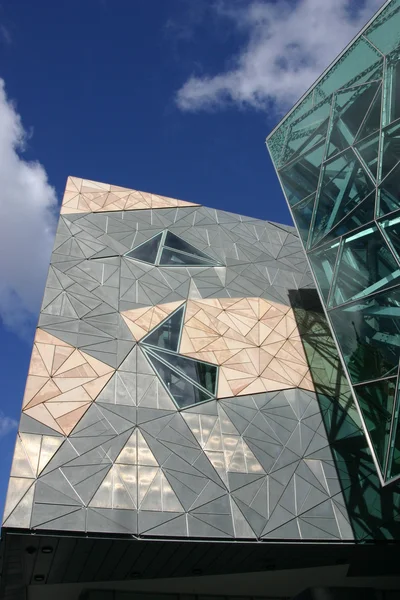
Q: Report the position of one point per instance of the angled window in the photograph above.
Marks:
(187, 380)
(167, 334)
(168, 250)
(146, 252)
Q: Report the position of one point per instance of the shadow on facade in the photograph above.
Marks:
(374, 510)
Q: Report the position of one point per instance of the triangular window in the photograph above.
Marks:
(188, 381)
(168, 250)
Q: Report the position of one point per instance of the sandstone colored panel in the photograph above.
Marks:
(255, 342)
(84, 196)
(142, 320)
(62, 382)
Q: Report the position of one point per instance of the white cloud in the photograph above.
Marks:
(6, 424)
(27, 222)
(288, 45)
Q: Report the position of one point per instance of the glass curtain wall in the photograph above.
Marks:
(337, 155)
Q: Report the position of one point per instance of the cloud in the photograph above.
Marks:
(27, 223)
(6, 424)
(5, 35)
(288, 45)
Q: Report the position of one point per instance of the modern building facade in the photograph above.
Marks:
(212, 399)
(337, 159)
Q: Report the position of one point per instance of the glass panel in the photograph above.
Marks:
(351, 106)
(323, 264)
(389, 193)
(368, 150)
(302, 214)
(147, 252)
(181, 390)
(359, 64)
(276, 142)
(376, 403)
(393, 466)
(167, 334)
(392, 83)
(173, 258)
(373, 350)
(384, 32)
(360, 216)
(372, 121)
(307, 131)
(204, 374)
(300, 178)
(391, 232)
(366, 265)
(173, 241)
(344, 185)
(391, 149)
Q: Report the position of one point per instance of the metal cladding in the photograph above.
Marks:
(169, 393)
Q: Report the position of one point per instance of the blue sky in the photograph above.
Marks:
(174, 97)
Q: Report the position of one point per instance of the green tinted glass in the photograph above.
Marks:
(366, 265)
(300, 177)
(360, 63)
(368, 332)
(384, 32)
(345, 183)
(323, 263)
(351, 108)
(376, 404)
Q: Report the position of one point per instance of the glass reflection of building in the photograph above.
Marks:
(337, 155)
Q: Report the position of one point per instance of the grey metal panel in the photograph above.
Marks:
(89, 283)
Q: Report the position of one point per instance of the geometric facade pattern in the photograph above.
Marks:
(83, 196)
(338, 160)
(62, 382)
(255, 343)
(172, 399)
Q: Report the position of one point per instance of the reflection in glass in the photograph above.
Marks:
(179, 259)
(391, 232)
(372, 121)
(351, 106)
(168, 333)
(302, 214)
(147, 251)
(344, 185)
(176, 243)
(389, 193)
(368, 150)
(202, 373)
(174, 252)
(300, 178)
(366, 265)
(360, 216)
(390, 149)
(368, 332)
(376, 404)
(181, 390)
(323, 263)
(307, 130)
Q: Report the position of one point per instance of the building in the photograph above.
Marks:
(202, 419)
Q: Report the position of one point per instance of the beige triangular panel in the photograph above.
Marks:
(140, 321)
(83, 195)
(255, 342)
(62, 382)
